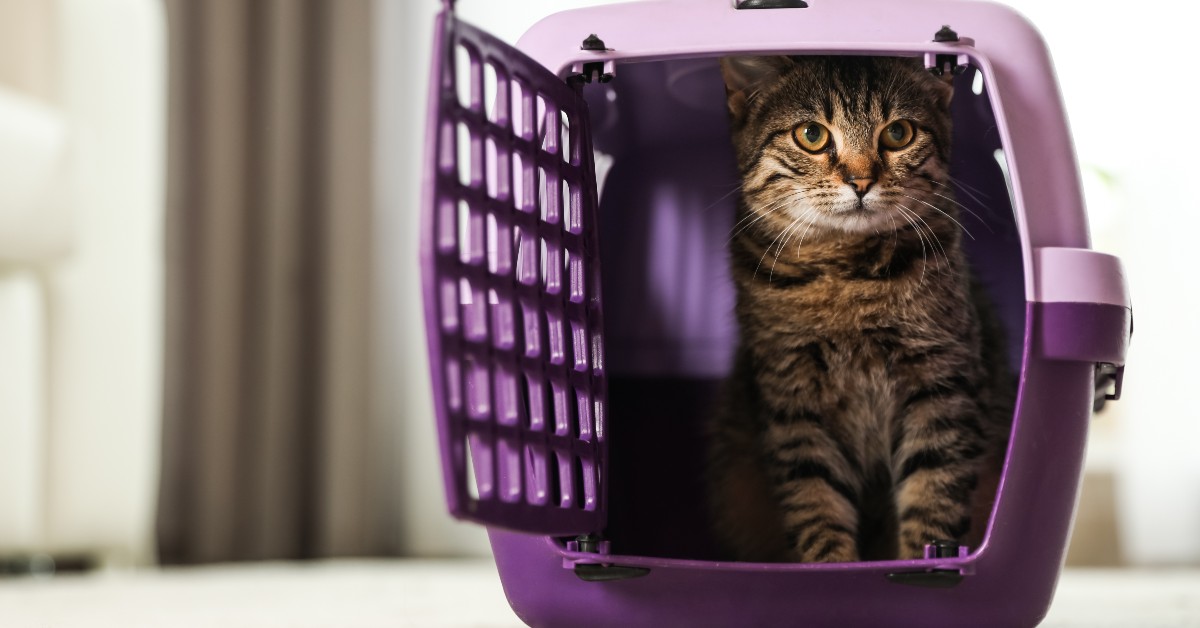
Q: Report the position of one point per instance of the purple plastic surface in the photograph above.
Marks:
(664, 218)
(1085, 332)
(510, 274)
(1067, 275)
(1017, 73)
(1009, 581)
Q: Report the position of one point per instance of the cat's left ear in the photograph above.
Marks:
(743, 75)
(942, 87)
(939, 86)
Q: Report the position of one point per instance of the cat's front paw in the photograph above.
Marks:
(831, 548)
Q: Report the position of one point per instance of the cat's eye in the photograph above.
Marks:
(811, 136)
(897, 135)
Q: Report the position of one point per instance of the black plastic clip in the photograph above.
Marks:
(588, 543)
(1107, 375)
(943, 62)
(593, 72)
(591, 572)
(598, 572)
(933, 578)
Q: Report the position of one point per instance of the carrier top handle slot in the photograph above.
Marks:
(772, 4)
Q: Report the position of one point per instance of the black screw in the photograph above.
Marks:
(593, 43)
(588, 543)
(945, 34)
(945, 549)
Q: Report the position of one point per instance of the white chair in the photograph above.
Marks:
(82, 150)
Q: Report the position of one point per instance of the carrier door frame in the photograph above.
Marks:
(511, 283)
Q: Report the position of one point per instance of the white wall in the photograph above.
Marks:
(1130, 92)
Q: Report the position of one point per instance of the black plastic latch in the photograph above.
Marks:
(944, 63)
(772, 4)
(593, 71)
(932, 579)
(591, 572)
(1108, 376)
(598, 572)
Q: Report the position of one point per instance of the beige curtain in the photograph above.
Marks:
(269, 451)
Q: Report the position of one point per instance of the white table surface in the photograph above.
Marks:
(368, 593)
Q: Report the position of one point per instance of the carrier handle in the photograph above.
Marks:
(772, 4)
(1083, 312)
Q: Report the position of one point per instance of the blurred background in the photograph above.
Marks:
(211, 340)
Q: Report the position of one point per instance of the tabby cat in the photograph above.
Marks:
(870, 402)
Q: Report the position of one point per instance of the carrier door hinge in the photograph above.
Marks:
(589, 571)
(940, 63)
(593, 71)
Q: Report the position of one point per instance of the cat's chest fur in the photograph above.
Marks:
(830, 328)
(862, 302)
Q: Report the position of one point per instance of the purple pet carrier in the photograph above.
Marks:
(571, 425)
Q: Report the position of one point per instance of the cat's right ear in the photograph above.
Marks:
(743, 76)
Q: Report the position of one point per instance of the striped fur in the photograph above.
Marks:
(869, 407)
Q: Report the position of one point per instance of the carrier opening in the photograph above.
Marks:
(668, 188)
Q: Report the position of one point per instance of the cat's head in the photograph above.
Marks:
(841, 144)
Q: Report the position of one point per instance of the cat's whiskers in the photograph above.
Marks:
(737, 188)
(773, 206)
(920, 237)
(788, 232)
(926, 229)
(951, 190)
(811, 222)
(771, 246)
(798, 223)
(753, 216)
(895, 237)
(934, 240)
(939, 210)
(967, 187)
(963, 186)
(964, 208)
(765, 252)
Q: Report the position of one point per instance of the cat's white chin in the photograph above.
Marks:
(857, 221)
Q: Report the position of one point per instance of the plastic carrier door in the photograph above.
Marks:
(511, 280)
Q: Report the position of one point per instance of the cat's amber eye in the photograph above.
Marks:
(811, 136)
(897, 135)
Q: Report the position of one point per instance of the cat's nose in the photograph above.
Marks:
(860, 184)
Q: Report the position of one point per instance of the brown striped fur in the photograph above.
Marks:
(869, 407)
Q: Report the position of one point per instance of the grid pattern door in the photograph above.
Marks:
(511, 278)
